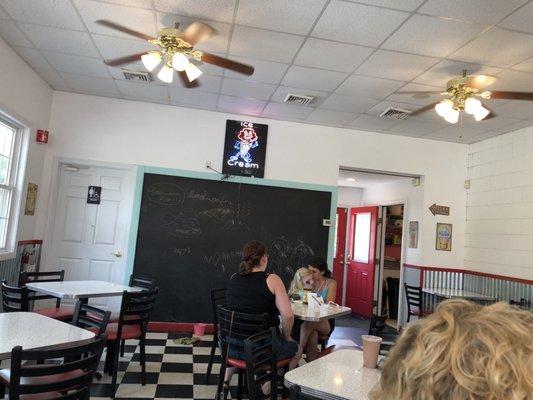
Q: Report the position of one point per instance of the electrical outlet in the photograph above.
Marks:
(208, 164)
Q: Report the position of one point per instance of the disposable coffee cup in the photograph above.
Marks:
(371, 345)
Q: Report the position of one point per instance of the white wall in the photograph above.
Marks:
(349, 196)
(25, 97)
(499, 228)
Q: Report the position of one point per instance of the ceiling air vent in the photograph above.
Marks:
(136, 76)
(396, 113)
(299, 99)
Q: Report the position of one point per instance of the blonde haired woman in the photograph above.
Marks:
(303, 279)
(463, 351)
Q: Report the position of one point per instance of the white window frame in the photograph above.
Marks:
(15, 184)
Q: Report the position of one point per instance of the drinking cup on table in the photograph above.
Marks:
(371, 345)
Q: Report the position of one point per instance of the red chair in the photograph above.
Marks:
(57, 312)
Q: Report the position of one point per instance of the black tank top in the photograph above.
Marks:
(250, 294)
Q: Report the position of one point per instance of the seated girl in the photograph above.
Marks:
(302, 282)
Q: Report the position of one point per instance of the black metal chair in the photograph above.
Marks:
(218, 297)
(414, 301)
(378, 327)
(14, 298)
(91, 318)
(132, 324)
(31, 377)
(141, 282)
(57, 312)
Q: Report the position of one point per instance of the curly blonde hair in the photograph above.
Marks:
(462, 351)
(297, 284)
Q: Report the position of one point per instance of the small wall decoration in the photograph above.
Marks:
(444, 237)
(413, 234)
(439, 210)
(245, 148)
(93, 194)
(31, 199)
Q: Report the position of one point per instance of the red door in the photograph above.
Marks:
(340, 248)
(360, 272)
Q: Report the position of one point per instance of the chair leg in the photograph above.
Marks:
(116, 353)
(221, 376)
(239, 385)
(214, 346)
(122, 345)
(142, 343)
(2, 391)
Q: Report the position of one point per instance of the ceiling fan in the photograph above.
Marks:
(176, 51)
(462, 93)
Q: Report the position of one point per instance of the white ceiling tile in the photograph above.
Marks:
(520, 20)
(497, 47)
(216, 10)
(512, 108)
(330, 117)
(60, 40)
(267, 45)
(56, 13)
(525, 66)
(264, 71)
(240, 105)
(514, 81)
(393, 65)
(445, 70)
(407, 5)
(295, 16)
(419, 99)
(143, 91)
(456, 133)
(336, 56)
(256, 90)
(216, 43)
(311, 78)
(193, 98)
(32, 57)
(90, 85)
(133, 3)
(135, 18)
(77, 64)
(414, 128)
(13, 35)
(281, 93)
(358, 85)
(370, 122)
(481, 11)
(432, 36)
(377, 109)
(354, 104)
(357, 23)
(113, 47)
(498, 123)
(3, 14)
(281, 110)
(208, 83)
(52, 77)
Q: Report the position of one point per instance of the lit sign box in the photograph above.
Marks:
(245, 148)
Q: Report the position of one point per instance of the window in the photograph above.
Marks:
(361, 243)
(10, 184)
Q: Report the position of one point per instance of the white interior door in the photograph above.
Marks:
(90, 240)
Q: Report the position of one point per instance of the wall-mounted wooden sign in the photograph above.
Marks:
(439, 210)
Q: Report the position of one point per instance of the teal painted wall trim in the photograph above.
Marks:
(136, 209)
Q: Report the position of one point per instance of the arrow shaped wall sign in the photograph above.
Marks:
(439, 210)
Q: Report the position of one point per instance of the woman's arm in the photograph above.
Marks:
(283, 304)
(332, 291)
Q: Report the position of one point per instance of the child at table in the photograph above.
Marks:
(302, 282)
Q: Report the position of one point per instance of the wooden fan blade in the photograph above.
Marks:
(480, 81)
(497, 94)
(121, 28)
(422, 110)
(197, 32)
(124, 60)
(186, 82)
(228, 64)
(416, 92)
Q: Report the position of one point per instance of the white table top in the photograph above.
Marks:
(80, 289)
(303, 312)
(457, 293)
(337, 376)
(31, 331)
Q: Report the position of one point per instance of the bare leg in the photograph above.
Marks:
(306, 330)
(311, 347)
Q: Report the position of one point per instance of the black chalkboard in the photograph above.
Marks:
(191, 232)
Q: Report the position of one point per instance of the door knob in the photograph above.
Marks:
(117, 254)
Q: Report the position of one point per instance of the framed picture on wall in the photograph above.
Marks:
(413, 234)
(444, 237)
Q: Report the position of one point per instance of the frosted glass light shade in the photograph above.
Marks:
(443, 107)
(179, 62)
(452, 116)
(192, 72)
(472, 105)
(481, 113)
(166, 74)
(151, 60)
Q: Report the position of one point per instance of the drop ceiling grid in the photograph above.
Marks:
(305, 29)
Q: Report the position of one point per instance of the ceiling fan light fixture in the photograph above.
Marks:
(472, 105)
(481, 113)
(193, 72)
(452, 116)
(444, 107)
(166, 74)
(151, 60)
(179, 61)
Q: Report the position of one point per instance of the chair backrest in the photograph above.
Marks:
(236, 327)
(261, 364)
(91, 318)
(136, 308)
(72, 377)
(14, 298)
(414, 296)
(377, 324)
(48, 276)
(218, 298)
(141, 282)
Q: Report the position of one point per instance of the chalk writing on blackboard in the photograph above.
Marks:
(182, 251)
(301, 254)
(218, 215)
(182, 225)
(219, 258)
(166, 194)
(203, 196)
